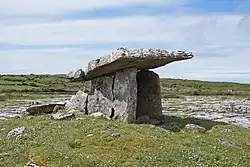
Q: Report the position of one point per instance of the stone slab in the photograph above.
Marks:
(100, 97)
(125, 95)
(133, 58)
(148, 95)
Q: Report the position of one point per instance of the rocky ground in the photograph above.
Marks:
(16, 108)
(230, 110)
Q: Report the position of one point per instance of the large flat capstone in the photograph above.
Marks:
(133, 58)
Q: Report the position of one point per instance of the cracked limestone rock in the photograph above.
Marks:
(76, 75)
(78, 101)
(15, 132)
(115, 95)
(125, 58)
(149, 95)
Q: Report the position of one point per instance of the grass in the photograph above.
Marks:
(38, 83)
(179, 88)
(89, 143)
(171, 88)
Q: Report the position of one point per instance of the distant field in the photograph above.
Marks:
(171, 88)
(37, 83)
(178, 88)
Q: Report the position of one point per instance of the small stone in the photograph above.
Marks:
(2, 129)
(15, 132)
(80, 119)
(32, 164)
(63, 116)
(97, 114)
(228, 142)
(248, 144)
(90, 135)
(195, 128)
(116, 135)
(227, 131)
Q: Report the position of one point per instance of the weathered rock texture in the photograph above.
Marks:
(42, 109)
(132, 58)
(125, 95)
(78, 101)
(101, 97)
(148, 95)
(114, 95)
(123, 88)
(76, 75)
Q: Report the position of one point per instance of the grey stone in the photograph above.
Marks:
(195, 128)
(43, 109)
(97, 114)
(78, 101)
(100, 97)
(58, 108)
(80, 119)
(62, 116)
(32, 164)
(226, 131)
(125, 58)
(76, 75)
(15, 132)
(148, 95)
(228, 142)
(116, 135)
(125, 95)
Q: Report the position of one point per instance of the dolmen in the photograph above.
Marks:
(122, 85)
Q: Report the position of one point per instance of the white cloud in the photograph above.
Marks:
(178, 29)
(47, 7)
(46, 60)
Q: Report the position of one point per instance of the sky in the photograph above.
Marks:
(57, 36)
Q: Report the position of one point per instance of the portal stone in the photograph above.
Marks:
(125, 95)
(100, 98)
(148, 95)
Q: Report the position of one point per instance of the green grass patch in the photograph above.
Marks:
(89, 143)
(38, 83)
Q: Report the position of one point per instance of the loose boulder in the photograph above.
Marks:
(15, 132)
(76, 75)
(43, 109)
(78, 101)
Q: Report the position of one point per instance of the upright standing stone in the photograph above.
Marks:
(78, 101)
(125, 95)
(148, 95)
(101, 97)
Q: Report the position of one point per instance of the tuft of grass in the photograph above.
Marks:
(90, 143)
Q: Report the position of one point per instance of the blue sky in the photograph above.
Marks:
(56, 36)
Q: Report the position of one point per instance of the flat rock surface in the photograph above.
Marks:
(133, 58)
(16, 108)
(234, 111)
(211, 108)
